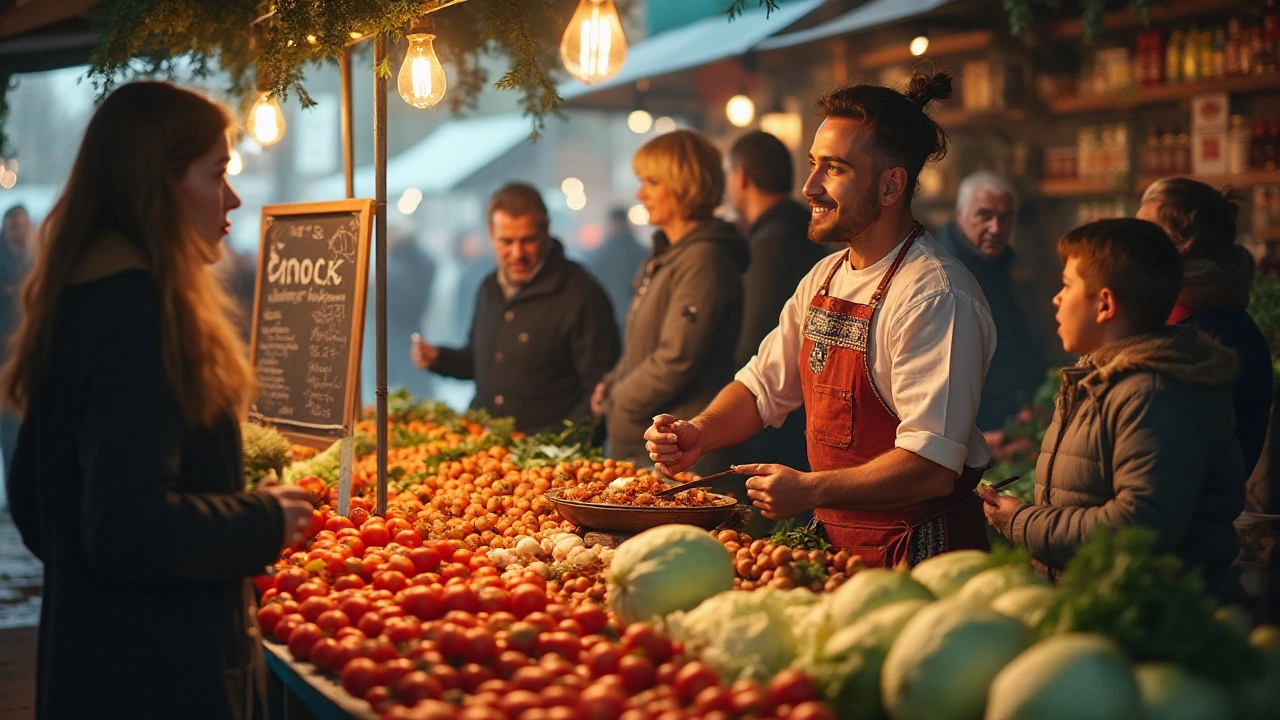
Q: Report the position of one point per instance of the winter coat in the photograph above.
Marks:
(1143, 435)
(538, 356)
(147, 542)
(1018, 368)
(682, 330)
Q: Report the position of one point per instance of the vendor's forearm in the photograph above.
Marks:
(731, 418)
(893, 480)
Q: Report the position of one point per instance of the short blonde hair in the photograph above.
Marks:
(689, 165)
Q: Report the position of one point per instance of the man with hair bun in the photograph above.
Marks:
(886, 345)
(979, 237)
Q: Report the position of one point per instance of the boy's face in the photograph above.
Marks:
(1077, 314)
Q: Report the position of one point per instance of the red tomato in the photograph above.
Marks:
(749, 698)
(402, 565)
(602, 659)
(401, 629)
(811, 710)
(355, 606)
(570, 626)
(460, 597)
(599, 702)
(637, 673)
(445, 549)
(379, 696)
(493, 600)
(264, 583)
(591, 617)
(478, 645)
(352, 632)
(423, 601)
(333, 620)
(288, 579)
(561, 643)
(693, 679)
(425, 559)
(302, 638)
(374, 535)
(338, 522)
(472, 674)
(523, 636)
(528, 598)
(531, 677)
(285, 626)
(454, 570)
(450, 639)
(517, 702)
(463, 618)
(312, 607)
(792, 687)
(392, 670)
(714, 698)
(642, 637)
(409, 538)
(357, 675)
(510, 661)
(392, 580)
(310, 589)
(317, 523)
(359, 515)
(371, 624)
(324, 653)
(416, 686)
(268, 616)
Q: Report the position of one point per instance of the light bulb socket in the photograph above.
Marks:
(424, 25)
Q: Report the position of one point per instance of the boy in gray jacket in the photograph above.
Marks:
(1143, 433)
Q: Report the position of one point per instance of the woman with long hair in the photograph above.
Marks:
(127, 481)
(1216, 276)
(686, 314)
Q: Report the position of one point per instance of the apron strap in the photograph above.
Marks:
(916, 232)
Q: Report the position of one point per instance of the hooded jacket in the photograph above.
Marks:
(681, 332)
(1143, 435)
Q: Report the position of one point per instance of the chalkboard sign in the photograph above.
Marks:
(308, 317)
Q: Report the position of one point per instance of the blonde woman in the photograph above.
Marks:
(127, 479)
(686, 315)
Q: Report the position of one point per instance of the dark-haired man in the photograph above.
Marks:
(886, 345)
(759, 180)
(543, 333)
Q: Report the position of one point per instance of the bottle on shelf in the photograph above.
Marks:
(1231, 51)
(1238, 146)
(1191, 54)
(1219, 52)
(1168, 153)
(1258, 145)
(1173, 57)
(1182, 154)
(1151, 153)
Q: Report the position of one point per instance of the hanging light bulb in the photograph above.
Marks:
(920, 45)
(740, 110)
(235, 164)
(266, 119)
(594, 48)
(422, 82)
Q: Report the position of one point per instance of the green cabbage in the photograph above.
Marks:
(1066, 677)
(990, 584)
(743, 634)
(1027, 604)
(946, 573)
(1170, 693)
(664, 569)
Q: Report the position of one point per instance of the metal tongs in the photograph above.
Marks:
(700, 482)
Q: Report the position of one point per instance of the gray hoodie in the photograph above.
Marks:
(681, 333)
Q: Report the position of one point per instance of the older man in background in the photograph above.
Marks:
(979, 237)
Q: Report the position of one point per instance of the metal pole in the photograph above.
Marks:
(380, 256)
(348, 143)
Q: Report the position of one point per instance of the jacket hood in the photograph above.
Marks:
(708, 230)
(1210, 285)
(1183, 353)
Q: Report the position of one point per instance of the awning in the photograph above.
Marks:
(449, 155)
(868, 15)
(698, 43)
(38, 35)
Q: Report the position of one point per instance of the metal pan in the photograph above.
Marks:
(633, 519)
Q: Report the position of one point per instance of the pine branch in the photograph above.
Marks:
(738, 7)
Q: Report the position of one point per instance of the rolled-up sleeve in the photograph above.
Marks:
(773, 373)
(940, 347)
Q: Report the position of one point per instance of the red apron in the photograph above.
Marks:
(849, 424)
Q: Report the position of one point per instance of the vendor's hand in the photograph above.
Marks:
(295, 505)
(999, 509)
(673, 445)
(423, 354)
(779, 491)
(597, 400)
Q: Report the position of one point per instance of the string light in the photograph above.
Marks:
(422, 82)
(639, 121)
(664, 125)
(235, 165)
(638, 215)
(740, 110)
(409, 201)
(266, 119)
(593, 47)
(919, 45)
(572, 186)
(576, 202)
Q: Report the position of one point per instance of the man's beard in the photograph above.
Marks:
(851, 226)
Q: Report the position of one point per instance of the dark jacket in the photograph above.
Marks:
(781, 255)
(615, 264)
(538, 356)
(1018, 367)
(145, 536)
(682, 330)
(1143, 435)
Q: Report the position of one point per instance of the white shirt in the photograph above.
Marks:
(932, 338)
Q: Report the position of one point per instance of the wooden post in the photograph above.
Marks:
(348, 143)
(380, 255)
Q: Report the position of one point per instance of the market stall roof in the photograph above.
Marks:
(447, 156)
(698, 43)
(40, 35)
(867, 15)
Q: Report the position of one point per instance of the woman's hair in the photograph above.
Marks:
(136, 150)
(689, 165)
(902, 134)
(1200, 220)
(1134, 259)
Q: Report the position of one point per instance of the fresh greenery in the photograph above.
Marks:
(1264, 307)
(1019, 448)
(327, 463)
(265, 453)
(571, 443)
(1023, 12)
(1116, 584)
(798, 537)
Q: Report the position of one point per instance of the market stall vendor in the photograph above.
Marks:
(886, 345)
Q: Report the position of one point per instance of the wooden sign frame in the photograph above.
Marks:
(321, 437)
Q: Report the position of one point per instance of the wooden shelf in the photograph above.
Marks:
(939, 46)
(1236, 84)
(951, 119)
(1159, 13)
(1075, 188)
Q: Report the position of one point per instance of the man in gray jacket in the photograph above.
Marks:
(543, 333)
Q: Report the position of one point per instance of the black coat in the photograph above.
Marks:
(538, 356)
(1018, 367)
(146, 540)
(781, 255)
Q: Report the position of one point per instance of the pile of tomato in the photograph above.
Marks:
(411, 612)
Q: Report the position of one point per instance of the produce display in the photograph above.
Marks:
(472, 598)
